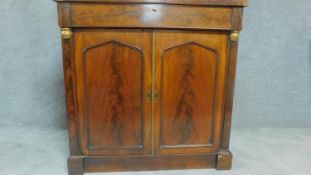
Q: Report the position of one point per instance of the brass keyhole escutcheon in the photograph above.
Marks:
(156, 96)
(149, 96)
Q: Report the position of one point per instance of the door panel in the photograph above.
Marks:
(113, 74)
(189, 77)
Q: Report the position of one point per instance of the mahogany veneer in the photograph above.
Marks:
(149, 83)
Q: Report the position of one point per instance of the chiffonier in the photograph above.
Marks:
(149, 83)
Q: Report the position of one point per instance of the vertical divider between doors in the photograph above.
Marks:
(153, 90)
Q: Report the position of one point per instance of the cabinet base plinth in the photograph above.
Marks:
(224, 160)
(77, 165)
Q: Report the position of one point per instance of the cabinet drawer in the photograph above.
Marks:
(146, 16)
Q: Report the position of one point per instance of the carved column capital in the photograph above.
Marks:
(234, 36)
(66, 33)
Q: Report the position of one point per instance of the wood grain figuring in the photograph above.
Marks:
(114, 74)
(189, 75)
(189, 2)
(149, 16)
(187, 109)
(112, 81)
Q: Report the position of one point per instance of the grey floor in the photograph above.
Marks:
(25, 151)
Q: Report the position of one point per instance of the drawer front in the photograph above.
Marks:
(148, 16)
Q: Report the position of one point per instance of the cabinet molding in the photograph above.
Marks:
(241, 3)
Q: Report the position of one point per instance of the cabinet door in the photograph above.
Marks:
(113, 74)
(190, 69)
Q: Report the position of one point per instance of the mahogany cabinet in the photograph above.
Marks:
(149, 83)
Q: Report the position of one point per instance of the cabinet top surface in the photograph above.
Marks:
(192, 2)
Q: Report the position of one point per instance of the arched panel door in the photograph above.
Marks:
(189, 81)
(113, 76)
